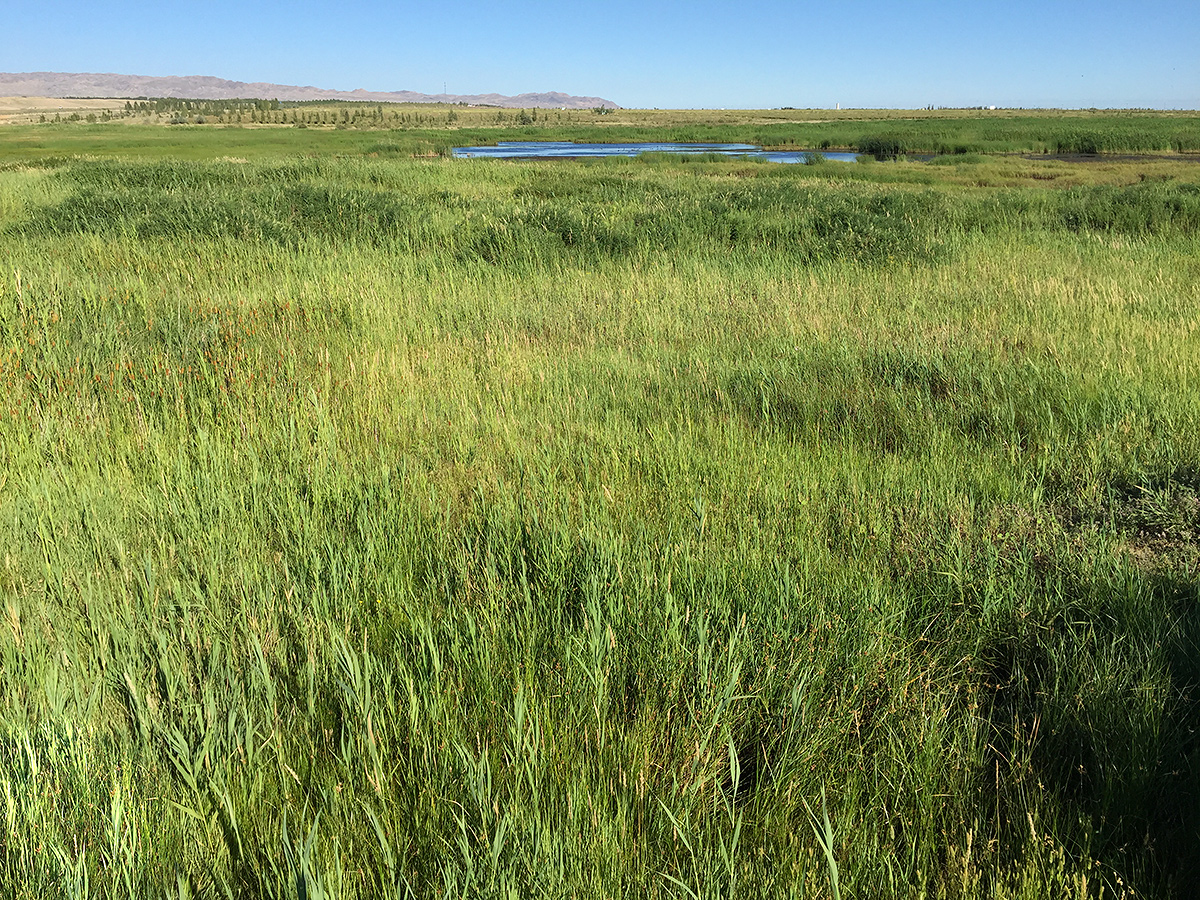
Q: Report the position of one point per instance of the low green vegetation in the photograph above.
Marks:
(257, 129)
(377, 526)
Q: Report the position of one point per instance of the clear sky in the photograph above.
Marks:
(770, 53)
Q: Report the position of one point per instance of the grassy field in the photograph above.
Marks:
(377, 526)
(407, 129)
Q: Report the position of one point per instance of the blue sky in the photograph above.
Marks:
(860, 53)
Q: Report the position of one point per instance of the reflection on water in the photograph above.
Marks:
(569, 150)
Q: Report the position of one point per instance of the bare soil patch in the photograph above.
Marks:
(1162, 526)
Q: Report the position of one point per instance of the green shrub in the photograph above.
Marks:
(882, 147)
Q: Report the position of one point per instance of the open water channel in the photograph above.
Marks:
(570, 150)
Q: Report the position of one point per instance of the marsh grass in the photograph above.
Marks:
(380, 527)
(433, 132)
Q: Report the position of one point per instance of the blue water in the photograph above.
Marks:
(569, 150)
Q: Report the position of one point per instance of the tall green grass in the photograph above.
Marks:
(394, 528)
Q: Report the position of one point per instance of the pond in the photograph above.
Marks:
(570, 150)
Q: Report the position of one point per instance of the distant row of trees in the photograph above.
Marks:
(199, 107)
(273, 112)
(304, 113)
(105, 116)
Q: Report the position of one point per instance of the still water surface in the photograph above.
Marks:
(569, 150)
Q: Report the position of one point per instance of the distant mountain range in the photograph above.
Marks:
(206, 87)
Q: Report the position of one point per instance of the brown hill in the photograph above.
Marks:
(206, 87)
